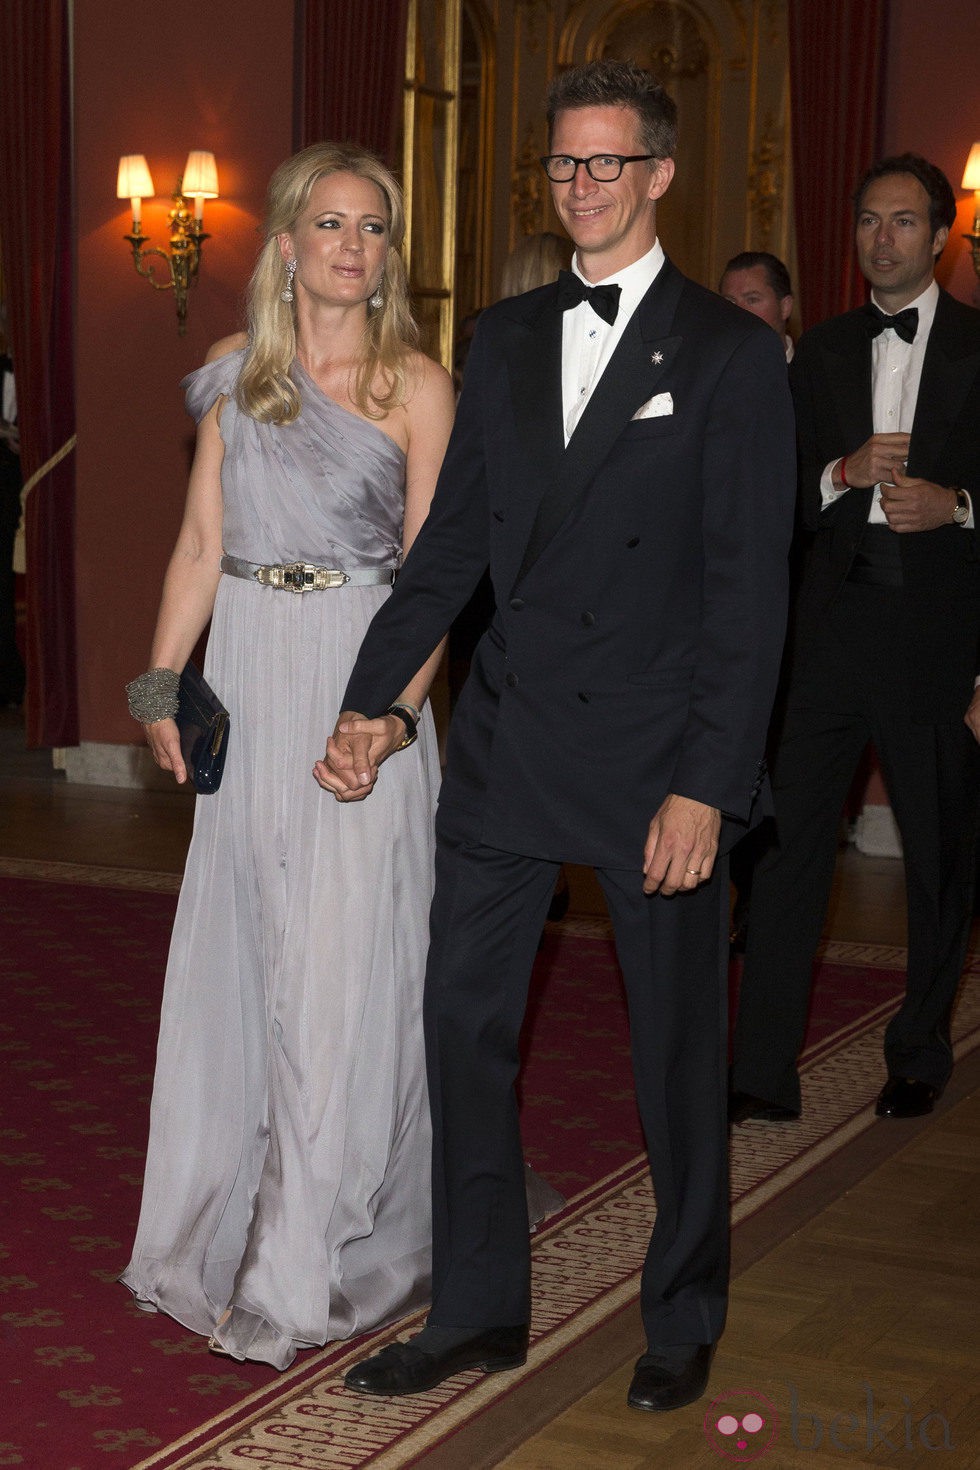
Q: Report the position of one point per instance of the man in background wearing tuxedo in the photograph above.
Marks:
(885, 647)
(622, 459)
(758, 281)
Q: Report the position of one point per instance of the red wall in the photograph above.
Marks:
(220, 76)
(931, 108)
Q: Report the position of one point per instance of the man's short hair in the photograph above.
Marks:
(942, 200)
(618, 84)
(776, 273)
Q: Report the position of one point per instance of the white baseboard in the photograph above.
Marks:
(96, 764)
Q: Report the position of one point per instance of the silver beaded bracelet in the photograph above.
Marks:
(153, 696)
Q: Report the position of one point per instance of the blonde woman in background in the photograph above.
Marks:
(286, 1196)
(533, 262)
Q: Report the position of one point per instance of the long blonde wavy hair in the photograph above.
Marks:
(265, 389)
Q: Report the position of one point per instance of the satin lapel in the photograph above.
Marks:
(643, 356)
(849, 378)
(534, 367)
(948, 370)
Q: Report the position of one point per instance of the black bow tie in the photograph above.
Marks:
(904, 322)
(604, 300)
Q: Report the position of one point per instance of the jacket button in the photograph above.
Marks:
(516, 603)
(633, 541)
(511, 680)
(585, 698)
(498, 515)
(588, 620)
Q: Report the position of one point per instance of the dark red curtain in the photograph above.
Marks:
(36, 231)
(350, 73)
(837, 50)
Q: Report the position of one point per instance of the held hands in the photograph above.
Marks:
(355, 752)
(164, 743)
(681, 846)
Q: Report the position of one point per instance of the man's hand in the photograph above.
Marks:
(878, 459)
(355, 752)
(681, 846)
(916, 505)
(972, 716)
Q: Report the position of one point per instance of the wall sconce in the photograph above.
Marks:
(971, 180)
(187, 235)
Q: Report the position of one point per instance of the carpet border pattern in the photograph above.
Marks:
(307, 1420)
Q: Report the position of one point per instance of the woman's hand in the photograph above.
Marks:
(164, 742)
(355, 751)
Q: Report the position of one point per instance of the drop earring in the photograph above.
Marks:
(377, 300)
(286, 294)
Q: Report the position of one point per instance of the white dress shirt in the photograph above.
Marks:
(587, 342)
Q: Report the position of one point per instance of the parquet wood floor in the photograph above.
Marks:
(877, 1294)
(861, 1330)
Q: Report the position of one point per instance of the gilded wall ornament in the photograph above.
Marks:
(663, 37)
(527, 188)
(765, 182)
(536, 15)
(775, 18)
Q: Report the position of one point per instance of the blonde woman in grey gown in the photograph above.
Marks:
(286, 1196)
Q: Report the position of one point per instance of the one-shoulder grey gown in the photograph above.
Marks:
(287, 1175)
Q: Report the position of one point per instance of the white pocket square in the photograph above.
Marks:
(656, 407)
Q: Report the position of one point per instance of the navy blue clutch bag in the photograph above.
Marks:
(204, 726)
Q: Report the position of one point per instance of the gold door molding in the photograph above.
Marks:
(430, 153)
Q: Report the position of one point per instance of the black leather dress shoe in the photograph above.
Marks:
(658, 1385)
(906, 1097)
(401, 1367)
(743, 1107)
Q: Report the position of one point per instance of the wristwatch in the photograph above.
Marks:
(409, 718)
(962, 512)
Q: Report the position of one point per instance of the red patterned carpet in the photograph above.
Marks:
(87, 1380)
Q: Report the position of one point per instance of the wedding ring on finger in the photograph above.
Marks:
(694, 872)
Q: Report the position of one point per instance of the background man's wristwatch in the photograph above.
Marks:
(962, 512)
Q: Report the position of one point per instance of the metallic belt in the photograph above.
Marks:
(301, 576)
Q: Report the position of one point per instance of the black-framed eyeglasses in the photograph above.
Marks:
(603, 167)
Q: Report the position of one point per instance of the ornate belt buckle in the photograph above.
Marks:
(298, 576)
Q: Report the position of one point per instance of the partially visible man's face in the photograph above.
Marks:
(612, 224)
(751, 290)
(896, 248)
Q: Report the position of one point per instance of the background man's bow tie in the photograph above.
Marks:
(905, 322)
(604, 300)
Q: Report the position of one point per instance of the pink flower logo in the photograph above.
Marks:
(741, 1425)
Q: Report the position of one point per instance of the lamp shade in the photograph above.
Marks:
(200, 175)
(971, 175)
(133, 180)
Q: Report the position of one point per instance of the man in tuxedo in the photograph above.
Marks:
(885, 647)
(758, 281)
(622, 460)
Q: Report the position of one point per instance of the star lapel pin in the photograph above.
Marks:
(657, 359)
